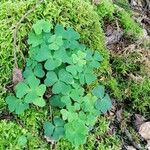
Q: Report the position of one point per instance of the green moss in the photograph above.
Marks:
(128, 82)
(106, 9)
(128, 24)
(10, 133)
(140, 96)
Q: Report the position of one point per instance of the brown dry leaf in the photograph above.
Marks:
(139, 120)
(144, 130)
(119, 115)
(17, 75)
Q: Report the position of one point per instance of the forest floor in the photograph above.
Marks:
(127, 80)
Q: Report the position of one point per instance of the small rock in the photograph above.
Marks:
(148, 145)
(144, 130)
(130, 148)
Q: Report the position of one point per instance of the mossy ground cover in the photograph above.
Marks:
(88, 21)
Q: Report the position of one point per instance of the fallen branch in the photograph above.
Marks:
(15, 32)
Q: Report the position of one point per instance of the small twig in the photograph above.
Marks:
(16, 29)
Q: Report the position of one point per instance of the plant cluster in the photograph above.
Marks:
(57, 60)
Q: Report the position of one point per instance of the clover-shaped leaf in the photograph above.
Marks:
(99, 91)
(34, 39)
(16, 105)
(88, 104)
(42, 25)
(32, 91)
(33, 68)
(87, 76)
(59, 30)
(94, 58)
(56, 101)
(70, 113)
(54, 130)
(79, 58)
(59, 82)
(55, 42)
(76, 132)
(69, 35)
(103, 103)
(67, 115)
(78, 63)
(45, 54)
(63, 55)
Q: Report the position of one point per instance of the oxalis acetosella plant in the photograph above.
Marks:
(58, 61)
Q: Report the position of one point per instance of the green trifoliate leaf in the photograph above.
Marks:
(104, 104)
(88, 103)
(38, 71)
(99, 91)
(55, 42)
(54, 130)
(76, 132)
(31, 90)
(87, 76)
(71, 34)
(58, 121)
(39, 102)
(67, 115)
(59, 132)
(52, 63)
(62, 54)
(59, 30)
(51, 78)
(21, 89)
(31, 63)
(32, 81)
(72, 69)
(79, 58)
(42, 25)
(28, 72)
(56, 101)
(16, 105)
(32, 52)
(94, 58)
(34, 39)
(43, 53)
(77, 93)
(59, 87)
(66, 100)
(65, 76)
(33, 68)
(48, 129)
